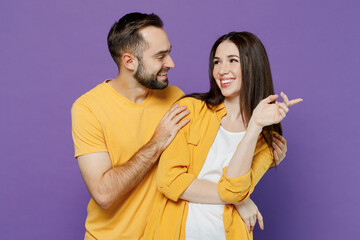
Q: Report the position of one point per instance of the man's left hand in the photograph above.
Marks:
(280, 148)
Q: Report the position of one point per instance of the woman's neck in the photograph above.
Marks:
(233, 121)
(232, 108)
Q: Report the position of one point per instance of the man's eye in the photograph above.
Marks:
(161, 57)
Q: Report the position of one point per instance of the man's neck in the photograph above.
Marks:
(129, 88)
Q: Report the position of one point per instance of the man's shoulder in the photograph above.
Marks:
(166, 97)
(92, 96)
(174, 89)
(169, 94)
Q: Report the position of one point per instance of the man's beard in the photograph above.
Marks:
(149, 80)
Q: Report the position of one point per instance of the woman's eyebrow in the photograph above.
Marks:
(229, 56)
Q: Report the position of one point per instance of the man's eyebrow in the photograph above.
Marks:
(164, 51)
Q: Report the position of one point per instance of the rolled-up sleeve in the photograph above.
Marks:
(238, 189)
(234, 189)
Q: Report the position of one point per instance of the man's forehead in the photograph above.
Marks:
(151, 31)
(156, 38)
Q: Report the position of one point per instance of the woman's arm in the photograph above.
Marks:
(248, 165)
(202, 191)
(264, 114)
(174, 181)
(173, 176)
(249, 212)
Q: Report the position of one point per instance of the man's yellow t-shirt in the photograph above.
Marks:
(105, 121)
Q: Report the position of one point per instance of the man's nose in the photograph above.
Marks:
(169, 63)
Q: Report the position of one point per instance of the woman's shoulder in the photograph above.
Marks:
(192, 103)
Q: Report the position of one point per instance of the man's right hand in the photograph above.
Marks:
(169, 125)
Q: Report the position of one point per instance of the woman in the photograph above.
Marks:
(216, 160)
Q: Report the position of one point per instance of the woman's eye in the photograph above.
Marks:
(233, 60)
(216, 62)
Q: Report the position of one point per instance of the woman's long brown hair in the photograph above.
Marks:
(256, 83)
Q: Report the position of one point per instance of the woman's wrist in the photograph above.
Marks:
(254, 127)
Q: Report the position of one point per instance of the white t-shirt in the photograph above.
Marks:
(204, 221)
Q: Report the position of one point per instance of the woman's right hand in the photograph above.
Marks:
(249, 212)
(266, 113)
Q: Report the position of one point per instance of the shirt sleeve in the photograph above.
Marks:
(238, 189)
(172, 176)
(87, 131)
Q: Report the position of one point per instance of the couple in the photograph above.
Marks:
(209, 164)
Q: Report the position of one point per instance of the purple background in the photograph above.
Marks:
(54, 51)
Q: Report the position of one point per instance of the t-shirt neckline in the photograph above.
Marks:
(125, 99)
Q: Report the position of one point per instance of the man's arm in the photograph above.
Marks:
(106, 184)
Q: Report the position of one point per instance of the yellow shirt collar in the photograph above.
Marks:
(220, 111)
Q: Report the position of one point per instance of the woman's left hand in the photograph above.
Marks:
(266, 114)
(288, 102)
(249, 212)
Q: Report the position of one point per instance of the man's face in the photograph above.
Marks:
(152, 68)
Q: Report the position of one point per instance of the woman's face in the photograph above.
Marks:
(227, 69)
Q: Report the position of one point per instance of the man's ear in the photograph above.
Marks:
(129, 61)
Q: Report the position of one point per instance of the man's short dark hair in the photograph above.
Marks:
(124, 34)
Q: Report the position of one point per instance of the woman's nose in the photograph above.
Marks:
(224, 68)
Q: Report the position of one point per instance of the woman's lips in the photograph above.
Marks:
(226, 82)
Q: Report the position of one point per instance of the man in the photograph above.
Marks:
(121, 127)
